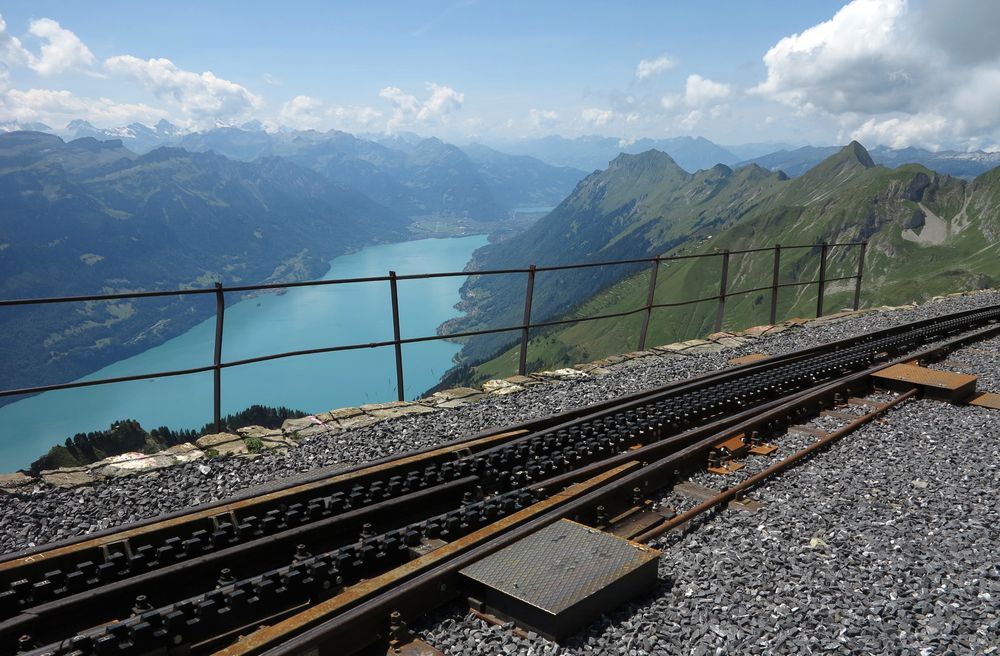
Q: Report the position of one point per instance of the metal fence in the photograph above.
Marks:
(397, 343)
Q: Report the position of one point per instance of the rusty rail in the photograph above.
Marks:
(737, 490)
(664, 449)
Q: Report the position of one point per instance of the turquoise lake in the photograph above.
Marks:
(302, 318)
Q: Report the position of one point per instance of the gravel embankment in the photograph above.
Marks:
(45, 514)
(883, 544)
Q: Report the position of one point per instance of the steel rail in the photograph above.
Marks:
(705, 379)
(528, 426)
(951, 319)
(366, 623)
(737, 490)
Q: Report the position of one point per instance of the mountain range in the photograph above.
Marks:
(89, 217)
(927, 233)
(418, 177)
(952, 162)
(581, 154)
(695, 153)
(236, 205)
(239, 204)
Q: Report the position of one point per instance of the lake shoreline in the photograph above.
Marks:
(409, 256)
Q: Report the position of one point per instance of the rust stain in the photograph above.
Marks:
(734, 447)
(908, 373)
(414, 648)
(986, 400)
(747, 359)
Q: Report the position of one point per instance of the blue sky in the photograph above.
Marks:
(735, 72)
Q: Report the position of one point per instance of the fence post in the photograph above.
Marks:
(400, 395)
(822, 279)
(721, 311)
(220, 316)
(526, 326)
(861, 272)
(774, 283)
(649, 304)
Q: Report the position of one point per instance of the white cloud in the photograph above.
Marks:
(302, 113)
(408, 110)
(58, 107)
(12, 53)
(272, 80)
(896, 73)
(403, 101)
(929, 130)
(699, 93)
(203, 97)
(650, 67)
(692, 119)
(354, 118)
(443, 101)
(542, 118)
(702, 92)
(670, 101)
(307, 113)
(62, 50)
(597, 117)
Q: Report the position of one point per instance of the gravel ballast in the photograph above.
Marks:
(885, 544)
(899, 568)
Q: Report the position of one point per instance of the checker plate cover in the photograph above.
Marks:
(560, 565)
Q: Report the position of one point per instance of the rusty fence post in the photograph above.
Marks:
(721, 310)
(400, 395)
(529, 292)
(220, 317)
(649, 304)
(775, 277)
(861, 273)
(822, 279)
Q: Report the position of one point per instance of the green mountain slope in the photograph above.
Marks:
(640, 206)
(169, 219)
(928, 234)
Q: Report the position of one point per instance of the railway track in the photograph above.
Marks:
(326, 561)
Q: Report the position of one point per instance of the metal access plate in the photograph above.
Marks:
(948, 384)
(986, 400)
(557, 579)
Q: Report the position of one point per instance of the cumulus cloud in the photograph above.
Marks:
(597, 117)
(58, 107)
(702, 92)
(443, 101)
(650, 67)
(699, 93)
(203, 97)
(302, 112)
(12, 53)
(542, 118)
(61, 51)
(307, 113)
(893, 71)
(407, 109)
(349, 117)
(402, 101)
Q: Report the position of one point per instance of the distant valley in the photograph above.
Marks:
(143, 207)
(90, 216)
